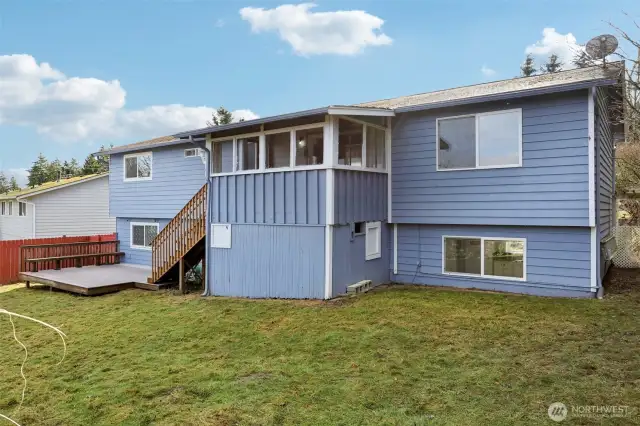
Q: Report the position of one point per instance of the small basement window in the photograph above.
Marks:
(142, 234)
(138, 166)
(373, 240)
(22, 209)
(359, 228)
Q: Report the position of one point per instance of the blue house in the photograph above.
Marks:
(505, 186)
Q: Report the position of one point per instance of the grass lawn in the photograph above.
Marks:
(400, 355)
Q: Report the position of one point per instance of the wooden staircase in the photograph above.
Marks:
(181, 244)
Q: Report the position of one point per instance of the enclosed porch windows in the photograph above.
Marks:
(336, 142)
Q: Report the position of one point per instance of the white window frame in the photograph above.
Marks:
(136, 155)
(145, 224)
(477, 146)
(20, 205)
(326, 164)
(482, 274)
(370, 226)
(3, 208)
(196, 152)
(10, 208)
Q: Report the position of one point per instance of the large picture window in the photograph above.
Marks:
(490, 257)
(138, 166)
(142, 234)
(487, 140)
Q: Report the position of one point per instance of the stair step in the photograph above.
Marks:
(359, 287)
(153, 287)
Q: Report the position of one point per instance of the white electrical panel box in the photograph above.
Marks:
(221, 235)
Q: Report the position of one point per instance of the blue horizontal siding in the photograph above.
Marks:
(133, 255)
(292, 197)
(550, 189)
(349, 260)
(557, 259)
(605, 163)
(175, 179)
(270, 261)
(360, 196)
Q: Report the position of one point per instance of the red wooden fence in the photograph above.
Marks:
(10, 252)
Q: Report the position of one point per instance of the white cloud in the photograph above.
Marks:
(487, 72)
(75, 108)
(552, 42)
(343, 32)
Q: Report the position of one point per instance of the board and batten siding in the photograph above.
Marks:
(74, 210)
(550, 189)
(288, 197)
(175, 180)
(557, 259)
(360, 196)
(605, 164)
(349, 259)
(132, 255)
(16, 227)
(270, 261)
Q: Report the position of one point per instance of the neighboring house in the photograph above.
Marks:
(71, 207)
(505, 186)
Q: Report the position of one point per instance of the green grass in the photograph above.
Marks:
(402, 355)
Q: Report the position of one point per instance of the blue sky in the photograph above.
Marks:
(78, 74)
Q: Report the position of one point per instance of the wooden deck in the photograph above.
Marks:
(92, 280)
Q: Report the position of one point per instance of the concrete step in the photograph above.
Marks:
(359, 287)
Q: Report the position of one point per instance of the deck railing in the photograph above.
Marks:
(80, 249)
(180, 235)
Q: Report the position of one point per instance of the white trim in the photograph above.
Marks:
(132, 224)
(395, 249)
(366, 123)
(482, 274)
(374, 112)
(293, 149)
(477, 116)
(387, 140)
(66, 185)
(20, 203)
(262, 152)
(270, 132)
(136, 155)
(594, 258)
(328, 262)
(298, 168)
(363, 148)
(378, 254)
(592, 158)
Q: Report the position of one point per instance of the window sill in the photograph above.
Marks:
(511, 166)
(140, 248)
(136, 180)
(485, 277)
(373, 256)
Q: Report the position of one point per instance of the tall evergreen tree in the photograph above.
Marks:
(220, 116)
(91, 165)
(553, 65)
(74, 168)
(38, 171)
(528, 67)
(4, 184)
(13, 184)
(53, 171)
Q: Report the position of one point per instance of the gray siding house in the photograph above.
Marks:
(69, 207)
(505, 186)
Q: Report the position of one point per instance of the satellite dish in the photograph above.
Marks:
(601, 46)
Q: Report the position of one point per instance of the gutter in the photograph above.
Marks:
(207, 245)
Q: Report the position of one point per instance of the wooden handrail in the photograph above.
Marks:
(81, 243)
(180, 235)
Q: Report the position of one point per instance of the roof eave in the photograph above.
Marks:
(125, 150)
(508, 95)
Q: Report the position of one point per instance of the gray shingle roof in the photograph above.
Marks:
(520, 84)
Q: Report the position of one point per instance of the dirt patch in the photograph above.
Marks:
(622, 281)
